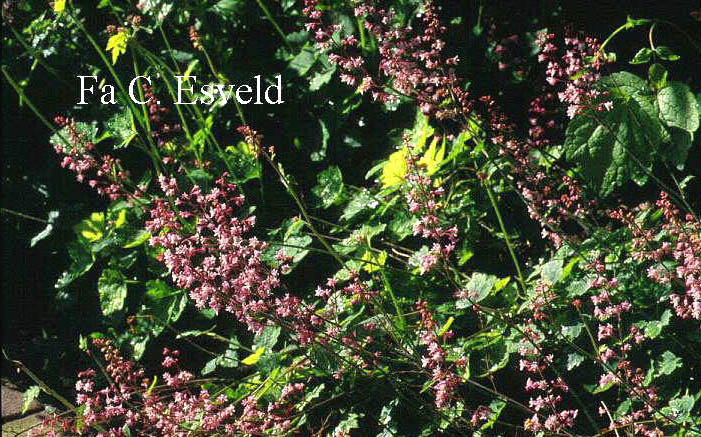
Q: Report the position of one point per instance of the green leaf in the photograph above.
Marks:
(121, 128)
(304, 61)
(210, 366)
(229, 8)
(329, 187)
(666, 53)
(633, 22)
(83, 260)
(254, 357)
(176, 309)
(322, 78)
(112, 288)
(680, 408)
(92, 228)
(642, 57)
(480, 286)
(552, 271)
(401, 225)
(678, 107)
(243, 162)
(123, 260)
(657, 75)
(294, 246)
(497, 357)
(596, 389)
(623, 408)
(577, 288)
(572, 332)
(29, 396)
(372, 261)
(668, 363)
(117, 44)
(574, 360)
(361, 201)
(287, 4)
(59, 6)
(446, 326)
(349, 422)
(164, 302)
(496, 406)
(268, 337)
(229, 359)
(501, 283)
(678, 150)
(140, 238)
(613, 147)
(654, 327)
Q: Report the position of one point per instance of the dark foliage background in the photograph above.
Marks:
(40, 326)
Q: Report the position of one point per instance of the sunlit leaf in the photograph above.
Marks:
(112, 288)
(92, 228)
(29, 396)
(373, 260)
(254, 357)
(395, 169)
(59, 6)
(117, 44)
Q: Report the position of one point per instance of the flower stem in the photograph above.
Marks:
(506, 236)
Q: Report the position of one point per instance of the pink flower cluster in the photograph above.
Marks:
(411, 61)
(552, 200)
(208, 253)
(680, 243)
(543, 295)
(445, 380)
(343, 53)
(353, 287)
(106, 175)
(578, 69)
(549, 398)
(604, 308)
(423, 200)
(171, 410)
(613, 355)
(161, 131)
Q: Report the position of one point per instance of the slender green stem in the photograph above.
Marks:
(649, 36)
(219, 76)
(154, 152)
(22, 215)
(495, 207)
(33, 108)
(36, 56)
(615, 32)
(120, 85)
(303, 210)
(45, 388)
(277, 27)
(388, 287)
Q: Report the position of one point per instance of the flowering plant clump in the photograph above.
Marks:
(219, 266)
(459, 220)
